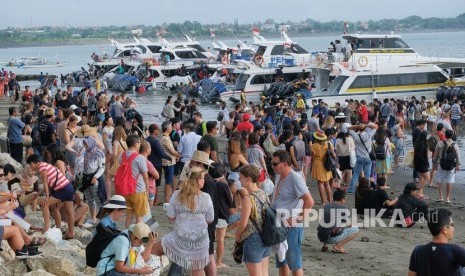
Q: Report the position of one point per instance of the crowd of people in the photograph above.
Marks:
(90, 158)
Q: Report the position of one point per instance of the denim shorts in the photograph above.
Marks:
(294, 251)
(254, 249)
(169, 174)
(234, 218)
(349, 231)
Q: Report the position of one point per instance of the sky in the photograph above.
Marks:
(34, 13)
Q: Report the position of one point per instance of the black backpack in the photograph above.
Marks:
(380, 151)
(271, 233)
(35, 135)
(448, 159)
(99, 242)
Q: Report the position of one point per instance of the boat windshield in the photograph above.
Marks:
(295, 49)
(197, 47)
(154, 49)
(241, 81)
(336, 85)
(381, 43)
(260, 51)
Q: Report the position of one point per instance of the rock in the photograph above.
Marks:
(39, 272)
(7, 254)
(5, 158)
(57, 265)
(365, 239)
(15, 267)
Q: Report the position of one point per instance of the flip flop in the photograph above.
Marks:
(37, 241)
(324, 248)
(334, 250)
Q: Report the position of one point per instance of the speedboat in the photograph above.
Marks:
(247, 52)
(373, 50)
(27, 61)
(288, 52)
(254, 80)
(391, 80)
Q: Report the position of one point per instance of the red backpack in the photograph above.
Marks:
(125, 183)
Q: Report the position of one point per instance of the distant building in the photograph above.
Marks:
(76, 35)
(136, 32)
(284, 27)
(268, 27)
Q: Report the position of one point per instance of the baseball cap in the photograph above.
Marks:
(140, 231)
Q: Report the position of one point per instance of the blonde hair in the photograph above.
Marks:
(190, 189)
(119, 133)
(329, 121)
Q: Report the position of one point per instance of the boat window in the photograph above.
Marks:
(395, 43)
(361, 82)
(262, 79)
(169, 73)
(277, 50)
(260, 51)
(337, 84)
(189, 54)
(140, 49)
(241, 81)
(296, 49)
(154, 49)
(291, 76)
(125, 53)
(436, 77)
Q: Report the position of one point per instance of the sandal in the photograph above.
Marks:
(38, 241)
(334, 250)
(66, 237)
(324, 248)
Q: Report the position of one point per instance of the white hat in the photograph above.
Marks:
(345, 127)
(116, 202)
(345, 104)
(78, 118)
(340, 115)
(73, 107)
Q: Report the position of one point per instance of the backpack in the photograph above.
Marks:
(200, 129)
(268, 146)
(125, 183)
(432, 142)
(99, 242)
(327, 162)
(35, 134)
(448, 159)
(271, 233)
(380, 151)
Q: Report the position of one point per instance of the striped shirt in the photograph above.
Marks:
(53, 182)
(455, 112)
(166, 146)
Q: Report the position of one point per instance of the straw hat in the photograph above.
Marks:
(116, 202)
(140, 230)
(320, 135)
(202, 157)
(85, 131)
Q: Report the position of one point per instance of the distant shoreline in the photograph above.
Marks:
(100, 41)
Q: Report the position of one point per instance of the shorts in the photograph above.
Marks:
(234, 218)
(348, 231)
(294, 251)
(151, 197)
(158, 181)
(65, 194)
(344, 163)
(254, 249)
(211, 237)
(446, 177)
(455, 122)
(178, 168)
(169, 174)
(137, 204)
(222, 223)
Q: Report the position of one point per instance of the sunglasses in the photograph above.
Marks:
(2, 174)
(274, 164)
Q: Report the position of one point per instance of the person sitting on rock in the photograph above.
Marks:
(12, 235)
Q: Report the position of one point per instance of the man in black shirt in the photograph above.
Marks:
(438, 257)
(47, 129)
(421, 124)
(379, 199)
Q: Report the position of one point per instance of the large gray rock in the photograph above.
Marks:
(57, 265)
(39, 272)
(5, 158)
(7, 254)
(15, 267)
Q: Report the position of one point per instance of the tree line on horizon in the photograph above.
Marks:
(11, 37)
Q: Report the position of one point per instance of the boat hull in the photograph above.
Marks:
(331, 100)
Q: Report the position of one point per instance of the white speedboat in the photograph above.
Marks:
(254, 80)
(273, 53)
(391, 80)
(27, 61)
(374, 50)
